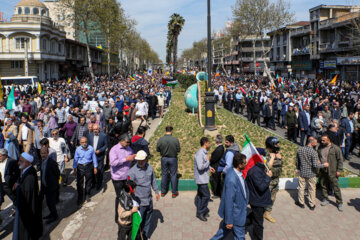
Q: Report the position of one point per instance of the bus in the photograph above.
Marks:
(20, 81)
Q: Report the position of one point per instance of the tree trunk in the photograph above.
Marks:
(175, 54)
(89, 53)
(108, 56)
(254, 55)
(266, 69)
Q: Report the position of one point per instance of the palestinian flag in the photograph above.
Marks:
(252, 155)
(169, 82)
(135, 225)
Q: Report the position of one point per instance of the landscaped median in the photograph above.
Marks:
(189, 132)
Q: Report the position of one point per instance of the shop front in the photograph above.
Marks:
(349, 68)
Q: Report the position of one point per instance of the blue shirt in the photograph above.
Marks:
(85, 156)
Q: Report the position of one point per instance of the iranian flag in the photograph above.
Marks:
(135, 225)
(252, 155)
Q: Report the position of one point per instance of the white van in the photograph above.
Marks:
(20, 81)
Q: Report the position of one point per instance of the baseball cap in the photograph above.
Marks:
(141, 155)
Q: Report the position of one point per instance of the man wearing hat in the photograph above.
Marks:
(144, 177)
(28, 222)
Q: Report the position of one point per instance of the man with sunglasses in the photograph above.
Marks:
(121, 157)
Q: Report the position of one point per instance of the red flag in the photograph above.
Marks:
(317, 90)
(163, 81)
(257, 65)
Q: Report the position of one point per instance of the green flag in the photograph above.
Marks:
(10, 105)
(135, 225)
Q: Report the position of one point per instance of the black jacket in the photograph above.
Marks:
(50, 175)
(102, 145)
(216, 155)
(141, 144)
(258, 183)
(12, 172)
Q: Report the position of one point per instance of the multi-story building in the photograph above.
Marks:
(241, 58)
(31, 44)
(327, 46)
(282, 41)
(335, 41)
(62, 16)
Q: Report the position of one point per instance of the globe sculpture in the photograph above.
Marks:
(191, 95)
(191, 98)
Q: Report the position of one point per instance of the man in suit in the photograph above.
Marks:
(348, 125)
(40, 132)
(50, 175)
(215, 178)
(25, 135)
(28, 222)
(10, 173)
(99, 141)
(234, 201)
(304, 124)
(269, 114)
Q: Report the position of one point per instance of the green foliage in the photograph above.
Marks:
(189, 132)
(185, 80)
(175, 26)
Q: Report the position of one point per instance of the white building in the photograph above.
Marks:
(31, 28)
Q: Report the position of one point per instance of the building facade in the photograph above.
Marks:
(248, 55)
(31, 44)
(326, 46)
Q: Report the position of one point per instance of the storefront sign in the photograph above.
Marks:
(330, 64)
(348, 60)
(301, 65)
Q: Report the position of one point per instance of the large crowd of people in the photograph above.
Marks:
(95, 124)
(304, 107)
(100, 125)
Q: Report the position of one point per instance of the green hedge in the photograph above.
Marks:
(184, 80)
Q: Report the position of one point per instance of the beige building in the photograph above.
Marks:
(62, 16)
(31, 44)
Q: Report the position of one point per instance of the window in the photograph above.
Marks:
(27, 10)
(36, 11)
(20, 42)
(52, 47)
(59, 48)
(43, 12)
(19, 10)
(44, 47)
(58, 17)
(17, 64)
(63, 17)
(69, 33)
(69, 24)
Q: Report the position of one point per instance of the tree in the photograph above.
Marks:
(175, 26)
(111, 21)
(257, 17)
(85, 19)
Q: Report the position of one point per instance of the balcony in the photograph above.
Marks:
(235, 53)
(326, 46)
(301, 51)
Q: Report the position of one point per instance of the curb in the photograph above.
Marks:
(284, 184)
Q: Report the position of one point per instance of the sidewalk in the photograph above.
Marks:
(175, 219)
(70, 217)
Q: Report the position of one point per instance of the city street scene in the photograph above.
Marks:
(171, 120)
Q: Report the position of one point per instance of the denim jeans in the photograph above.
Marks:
(146, 216)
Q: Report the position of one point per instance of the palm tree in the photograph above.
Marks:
(175, 26)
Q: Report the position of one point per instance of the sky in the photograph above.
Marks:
(152, 17)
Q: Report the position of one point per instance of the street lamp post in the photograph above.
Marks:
(209, 94)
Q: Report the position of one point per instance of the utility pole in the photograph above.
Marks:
(210, 96)
(26, 65)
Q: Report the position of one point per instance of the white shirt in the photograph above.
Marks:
(24, 132)
(240, 175)
(142, 108)
(96, 140)
(2, 169)
(56, 145)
